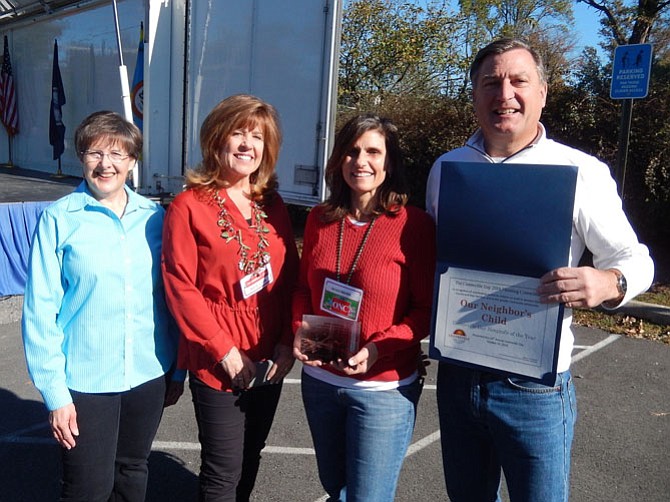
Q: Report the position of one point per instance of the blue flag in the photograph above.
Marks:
(137, 90)
(56, 126)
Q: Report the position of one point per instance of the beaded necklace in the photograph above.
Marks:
(359, 251)
(228, 233)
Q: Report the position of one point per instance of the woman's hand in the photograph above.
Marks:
(297, 348)
(239, 367)
(173, 393)
(360, 362)
(64, 427)
(283, 362)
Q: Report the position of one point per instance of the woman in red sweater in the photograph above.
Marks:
(229, 260)
(367, 258)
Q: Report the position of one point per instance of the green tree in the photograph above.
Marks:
(629, 23)
(516, 18)
(391, 48)
(543, 23)
(647, 196)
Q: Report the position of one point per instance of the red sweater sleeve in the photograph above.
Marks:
(289, 272)
(417, 240)
(180, 265)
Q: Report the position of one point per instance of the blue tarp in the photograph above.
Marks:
(17, 224)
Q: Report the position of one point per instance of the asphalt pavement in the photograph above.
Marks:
(620, 452)
(620, 448)
(27, 185)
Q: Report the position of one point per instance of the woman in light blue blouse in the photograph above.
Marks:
(98, 338)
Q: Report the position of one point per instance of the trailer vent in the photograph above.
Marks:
(305, 175)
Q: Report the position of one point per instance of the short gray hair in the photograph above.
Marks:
(501, 46)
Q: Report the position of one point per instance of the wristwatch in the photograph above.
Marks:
(621, 286)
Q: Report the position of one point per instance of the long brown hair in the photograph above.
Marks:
(238, 112)
(392, 194)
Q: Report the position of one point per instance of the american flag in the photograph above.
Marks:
(9, 113)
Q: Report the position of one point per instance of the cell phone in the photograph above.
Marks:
(262, 370)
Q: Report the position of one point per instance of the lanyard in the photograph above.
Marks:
(359, 251)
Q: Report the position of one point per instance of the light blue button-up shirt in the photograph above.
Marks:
(94, 314)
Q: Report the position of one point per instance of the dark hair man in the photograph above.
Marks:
(490, 421)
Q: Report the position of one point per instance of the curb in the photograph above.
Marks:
(658, 314)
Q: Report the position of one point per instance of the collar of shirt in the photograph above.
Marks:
(476, 141)
(82, 197)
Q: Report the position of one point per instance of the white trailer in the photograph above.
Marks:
(196, 52)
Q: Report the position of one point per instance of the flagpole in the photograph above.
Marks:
(125, 86)
(9, 162)
(59, 171)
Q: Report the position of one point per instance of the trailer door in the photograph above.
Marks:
(283, 52)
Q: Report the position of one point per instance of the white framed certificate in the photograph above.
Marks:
(495, 322)
(500, 227)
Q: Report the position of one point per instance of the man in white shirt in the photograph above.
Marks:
(490, 421)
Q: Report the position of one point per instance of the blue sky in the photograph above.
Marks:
(587, 25)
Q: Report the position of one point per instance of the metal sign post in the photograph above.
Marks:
(630, 80)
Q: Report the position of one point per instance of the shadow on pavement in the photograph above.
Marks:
(30, 462)
(170, 480)
(17, 413)
(31, 459)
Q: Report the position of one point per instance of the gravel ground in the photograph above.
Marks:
(10, 309)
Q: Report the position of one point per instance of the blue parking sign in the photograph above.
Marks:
(630, 71)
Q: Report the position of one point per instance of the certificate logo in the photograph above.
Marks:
(459, 336)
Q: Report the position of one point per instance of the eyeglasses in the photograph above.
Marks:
(97, 156)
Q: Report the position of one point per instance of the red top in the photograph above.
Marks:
(395, 271)
(202, 284)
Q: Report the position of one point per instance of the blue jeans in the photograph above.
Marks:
(360, 437)
(489, 421)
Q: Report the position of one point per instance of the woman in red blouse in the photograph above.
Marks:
(229, 260)
(369, 259)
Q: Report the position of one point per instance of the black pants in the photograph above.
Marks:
(232, 429)
(109, 461)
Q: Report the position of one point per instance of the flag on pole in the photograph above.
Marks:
(9, 113)
(137, 90)
(56, 126)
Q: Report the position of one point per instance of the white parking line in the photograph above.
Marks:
(423, 443)
(595, 348)
(416, 447)
(18, 437)
(190, 446)
(431, 438)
